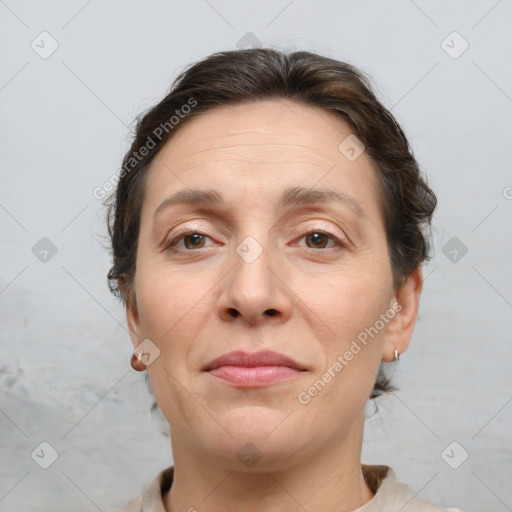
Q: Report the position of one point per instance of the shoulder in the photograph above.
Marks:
(393, 495)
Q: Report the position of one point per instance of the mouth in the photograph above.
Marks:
(253, 369)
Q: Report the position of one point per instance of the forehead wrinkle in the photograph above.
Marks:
(251, 145)
(205, 165)
(308, 153)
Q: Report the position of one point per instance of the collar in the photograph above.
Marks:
(389, 494)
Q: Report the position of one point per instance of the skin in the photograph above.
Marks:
(322, 295)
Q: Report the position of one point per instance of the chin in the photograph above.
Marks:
(256, 422)
(245, 453)
(256, 433)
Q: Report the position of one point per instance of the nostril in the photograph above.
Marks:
(233, 312)
(271, 312)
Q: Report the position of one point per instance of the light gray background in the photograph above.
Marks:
(64, 372)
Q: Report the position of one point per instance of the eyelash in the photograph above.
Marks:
(180, 235)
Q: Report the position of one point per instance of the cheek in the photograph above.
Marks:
(350, 306)
(349, 300)
(171, 313)
(168, 301)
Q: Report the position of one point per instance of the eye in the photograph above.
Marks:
(319, 237)
(192, 240)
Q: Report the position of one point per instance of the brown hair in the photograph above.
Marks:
(257, 74)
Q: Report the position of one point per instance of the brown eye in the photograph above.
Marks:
(318, 240)
(192, 240)
(196, 241)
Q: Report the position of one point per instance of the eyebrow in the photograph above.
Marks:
(289, 198)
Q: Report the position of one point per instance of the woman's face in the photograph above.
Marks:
(255, 272)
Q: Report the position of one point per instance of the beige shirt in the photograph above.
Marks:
(390, 495)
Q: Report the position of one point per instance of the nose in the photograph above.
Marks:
(255, 291)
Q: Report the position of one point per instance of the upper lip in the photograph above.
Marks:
(253, 359)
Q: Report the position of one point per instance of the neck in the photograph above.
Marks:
(330, 481)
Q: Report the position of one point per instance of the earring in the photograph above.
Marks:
(137, 364)
(397, 356)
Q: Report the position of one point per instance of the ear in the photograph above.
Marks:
(133, 321)
(399, 330)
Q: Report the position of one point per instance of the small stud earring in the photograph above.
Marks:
(397, 356)
(137, 364)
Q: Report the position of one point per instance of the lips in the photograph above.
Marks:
(253, 359)
(253, 369)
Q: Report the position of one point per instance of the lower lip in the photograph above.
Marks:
(253, 377)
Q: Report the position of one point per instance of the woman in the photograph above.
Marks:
(268, 231)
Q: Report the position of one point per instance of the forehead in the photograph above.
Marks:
(267, 131)
(258, 149)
